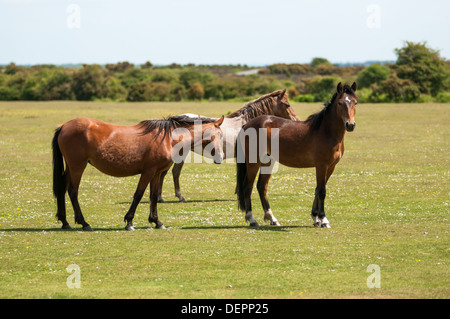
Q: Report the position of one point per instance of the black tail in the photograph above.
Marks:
(242, 188)
(59, 177)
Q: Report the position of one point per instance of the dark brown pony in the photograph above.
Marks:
(146, 149)
(317, 142)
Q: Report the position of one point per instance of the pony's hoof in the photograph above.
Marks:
(276, 223)
(254, 224)
(317, 224)
(129, 228)
(160, 226)
(67, 226)
(325, 225)
(182, 200)
(160, 200)
(87, 228)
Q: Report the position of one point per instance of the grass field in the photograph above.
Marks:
(388, 204)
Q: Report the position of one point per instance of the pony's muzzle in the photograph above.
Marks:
(218, 159)
(350, 126)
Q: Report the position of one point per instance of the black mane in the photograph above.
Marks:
(317, 118)
(260, 106)
(170, 123)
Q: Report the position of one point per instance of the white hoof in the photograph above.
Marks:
(325, 223)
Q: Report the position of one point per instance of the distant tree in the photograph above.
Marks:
(11, 68)
(56, 85)
(114, 90)
(322, 87)
(147, 65)
(318, 61)
(189, 77)
(279, 68)
(137, 91)
(395, 89)
(292, 92)
(196, 91)
(134, 75)
(119, 67)
(423, 66)
(158, 91)
(88, 82)
(325, 69)
(174, 66)
(375, 73)
(178, 92)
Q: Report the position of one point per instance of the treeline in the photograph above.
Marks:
(418, 75)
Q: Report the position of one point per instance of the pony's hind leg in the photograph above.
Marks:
(176, 172)
(263, 182)
(252, 171)
(74, 178)
(61, 202)
(154, 188)
(163, 175)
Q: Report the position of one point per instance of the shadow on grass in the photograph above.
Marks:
(260, 228)
(109, 229)
(186, 202)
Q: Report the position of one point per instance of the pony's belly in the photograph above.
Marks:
(116, 169)
(118, 163)
(298, 162)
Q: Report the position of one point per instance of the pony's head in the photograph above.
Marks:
(282, 107)
(212, 141)
(346, 105)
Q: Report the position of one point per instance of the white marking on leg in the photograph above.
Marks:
(268, 216)
(316, 221)
(325, 223)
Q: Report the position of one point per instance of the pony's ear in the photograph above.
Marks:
(354, 86)
(339, 88)
(219, 122)
(282, 94)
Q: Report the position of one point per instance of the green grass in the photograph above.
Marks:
(388, 204)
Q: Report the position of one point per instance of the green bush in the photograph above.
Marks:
(443, 97)
(365, 95)
(423, 66)
(304, 98)
(374, 73)
(322, 87)
(88, 82)
(196, 91)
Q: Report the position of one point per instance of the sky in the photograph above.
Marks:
(252, 32)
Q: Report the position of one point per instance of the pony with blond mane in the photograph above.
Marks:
(275, 103)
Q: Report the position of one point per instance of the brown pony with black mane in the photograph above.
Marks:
(317, 142)
(147, 148)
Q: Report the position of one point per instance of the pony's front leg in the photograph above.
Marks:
(318, 210)
(154, 187)
(163, 175)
